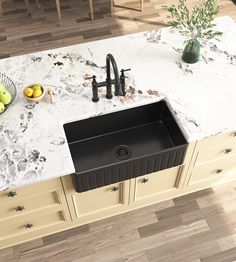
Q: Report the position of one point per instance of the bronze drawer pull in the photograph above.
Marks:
(114, 189)
(28, 226)
(12, 194)
(144, 180)
(234, 134)
(218, 171)
(20, 208)
(228, 150)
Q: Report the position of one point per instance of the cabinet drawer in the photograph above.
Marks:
(10, 196)
(219, 169)
(226, 138)
(214, 152)
(99, 199)
(32, 224)
(25, 206)
(157, 183)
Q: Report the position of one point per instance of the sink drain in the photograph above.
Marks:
(122, 152)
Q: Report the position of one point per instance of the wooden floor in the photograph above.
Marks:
(199, 227)
(20, 34)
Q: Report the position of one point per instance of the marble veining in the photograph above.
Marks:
(33, 145)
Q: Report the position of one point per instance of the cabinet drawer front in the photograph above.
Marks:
(31, 224)
(98, 199)
(156, 183)
(27, 205)
(210, 153)
(9, 196)
(223, 139)
(215, 169)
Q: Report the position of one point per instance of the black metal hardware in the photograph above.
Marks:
(114, 189)
(20, 208)
(122, 79)
(94, 88)
(218, 171)
(28, 226)
(12, 194)
(110, 60)
(228, 150)
(144, 180)
(88, 78)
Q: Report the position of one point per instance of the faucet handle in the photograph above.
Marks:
(124, 70)
(94, 88)
(122, 79)
(91, 77)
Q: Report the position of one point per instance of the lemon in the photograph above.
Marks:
(28, 92)
(37, 93)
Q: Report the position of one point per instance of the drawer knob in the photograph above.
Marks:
(144, 180)
(20, 208)
(218, 171)
(28, 226)
(228, 150)
(114, 189)
(234, 134)
(12, 194)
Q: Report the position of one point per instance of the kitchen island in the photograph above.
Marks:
(202, 97)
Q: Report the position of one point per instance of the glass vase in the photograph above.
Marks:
(191, 52)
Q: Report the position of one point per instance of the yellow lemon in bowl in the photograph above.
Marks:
(28, 92)
(37, 93)
(34, 93)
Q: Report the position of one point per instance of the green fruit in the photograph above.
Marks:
(2, 87)
(2, 107)
(5, 97)
(37, 87)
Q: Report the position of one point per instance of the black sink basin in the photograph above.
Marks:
(114, 147)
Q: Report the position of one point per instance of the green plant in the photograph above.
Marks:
(197, 23)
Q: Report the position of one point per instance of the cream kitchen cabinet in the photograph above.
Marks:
(52, 206)
(32, 211)
(97, 203)
(154, 187)
(213, 161)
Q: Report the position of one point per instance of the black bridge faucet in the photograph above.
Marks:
(118, 81)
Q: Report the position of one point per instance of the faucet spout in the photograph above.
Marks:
(118, 81)
(110, 60)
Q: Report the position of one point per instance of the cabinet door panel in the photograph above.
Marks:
(28, 205)
(220, 139)
(10, 196)
(210, 153)
(97, 203)
(31, 224)
(219, 169)
(98, 199)
(157, 183)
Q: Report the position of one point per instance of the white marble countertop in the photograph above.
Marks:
(33, 145)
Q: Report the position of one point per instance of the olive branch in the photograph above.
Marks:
(197, 23)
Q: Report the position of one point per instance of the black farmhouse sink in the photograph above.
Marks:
(114, 147)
